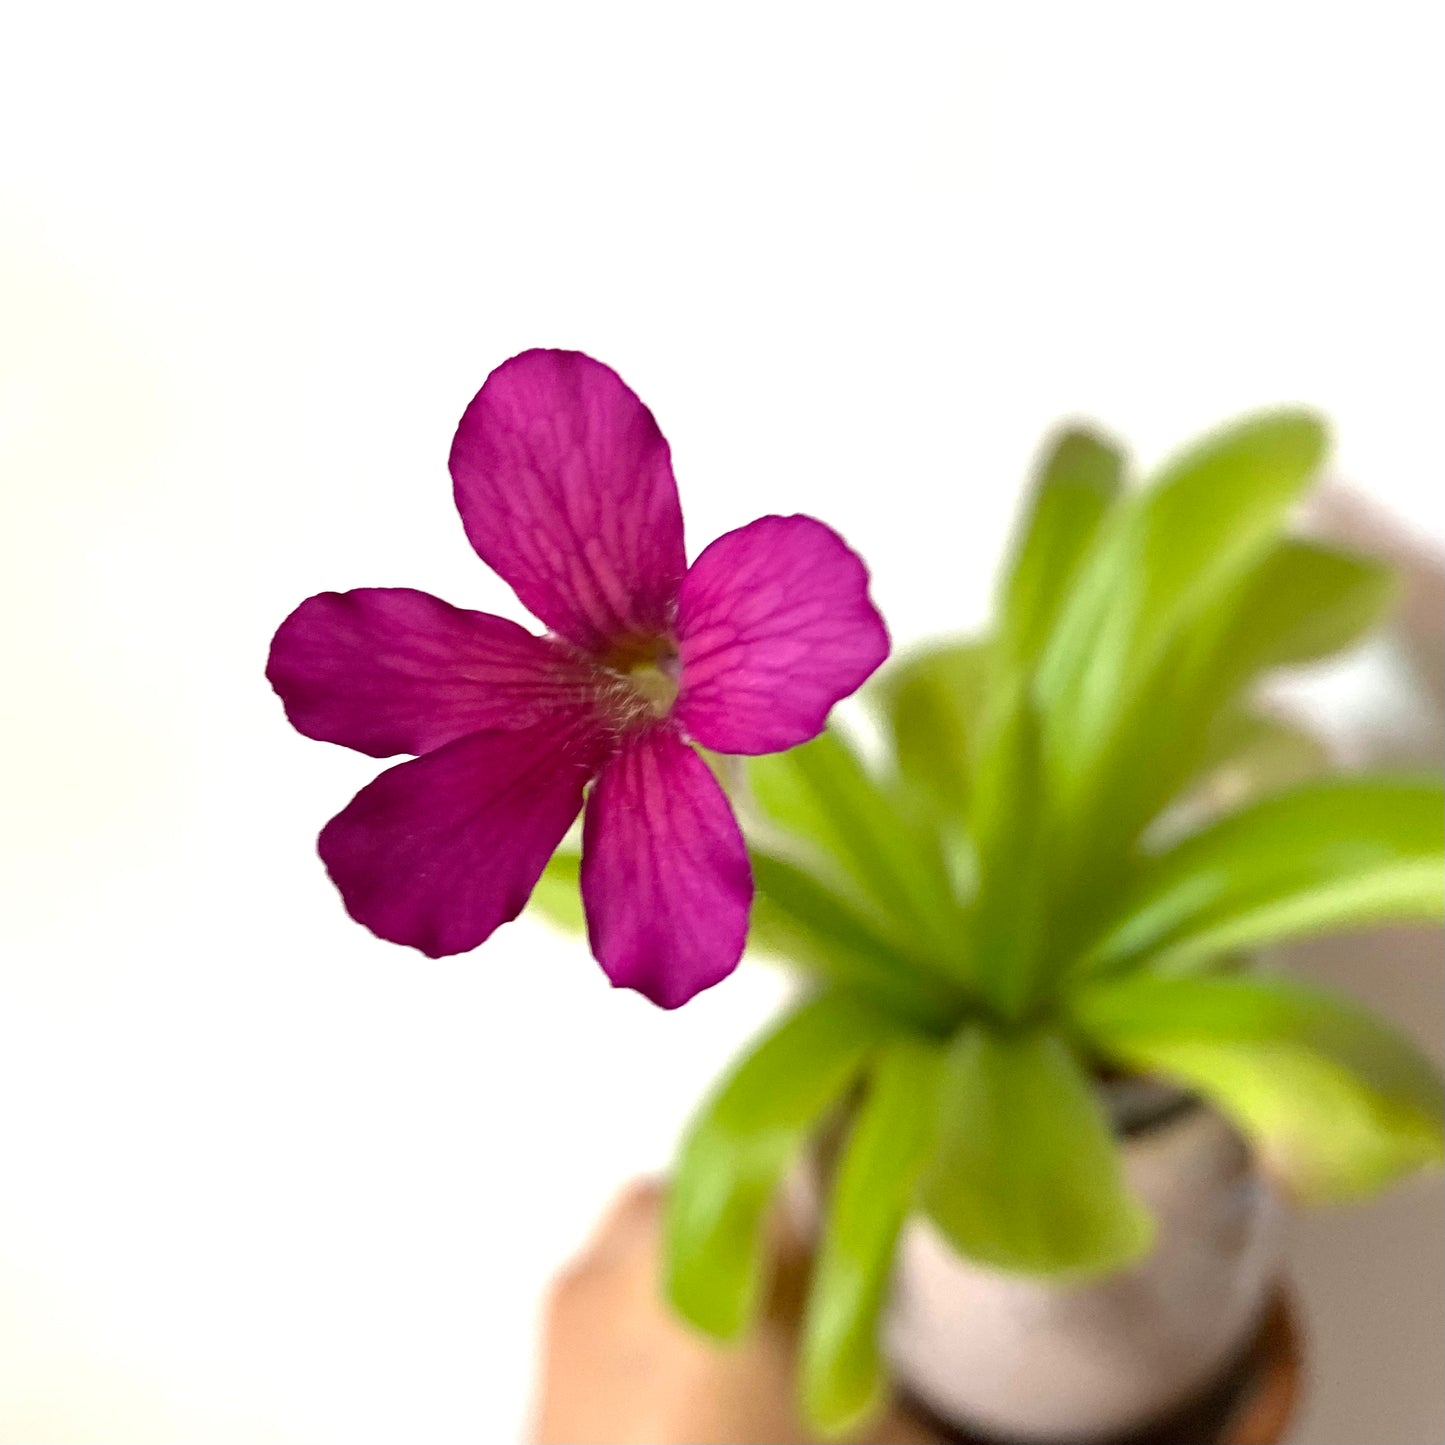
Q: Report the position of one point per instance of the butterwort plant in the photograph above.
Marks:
(1081, 833)
(565, 488)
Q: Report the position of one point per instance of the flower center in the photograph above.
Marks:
(647, 671)
(655, 686)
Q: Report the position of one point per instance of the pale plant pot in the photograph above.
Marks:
(1019, 1356)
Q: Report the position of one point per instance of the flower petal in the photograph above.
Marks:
(565, 487)
(390, 670)
(665, 876)
(774, 626)
(440, 851)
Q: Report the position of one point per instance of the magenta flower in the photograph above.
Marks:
(565, 488)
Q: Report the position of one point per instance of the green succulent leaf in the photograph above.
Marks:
(1160, 559)
(1012, 837)
(823, 796)
(1302, 601)
(1297, 603)
(1027, 1175)
(1252, 754)
(1336, 854)
(735, 1151)
(930, 703)
(1337, 1101)
(802, 921)
(890, 1143)
(1080, 478)
(558, 894)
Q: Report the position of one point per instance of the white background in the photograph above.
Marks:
(266, 1178)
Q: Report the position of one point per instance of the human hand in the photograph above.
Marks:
(619, 1367)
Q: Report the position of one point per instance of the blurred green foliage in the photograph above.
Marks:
(1078, 826)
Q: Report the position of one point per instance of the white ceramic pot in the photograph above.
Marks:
(1017, 1356)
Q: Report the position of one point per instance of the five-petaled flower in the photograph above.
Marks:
(565, 488)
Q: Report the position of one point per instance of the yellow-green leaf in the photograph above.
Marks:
(1027, 1175)
(872, 1194)
(1336, 1100)
(737, 1147)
